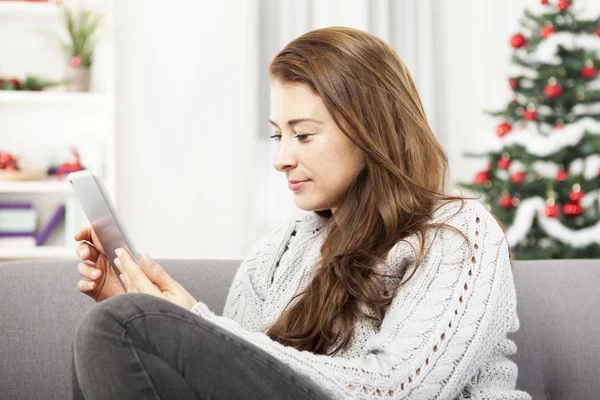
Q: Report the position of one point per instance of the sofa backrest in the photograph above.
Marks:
(558, 351)
(558, 305)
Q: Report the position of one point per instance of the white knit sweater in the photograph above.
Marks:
(443, 337)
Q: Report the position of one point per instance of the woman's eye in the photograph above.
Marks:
(302, 136)
(276, 137)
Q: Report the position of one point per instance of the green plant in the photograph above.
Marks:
(81, 28)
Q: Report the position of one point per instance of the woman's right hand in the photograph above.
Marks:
(103, 281)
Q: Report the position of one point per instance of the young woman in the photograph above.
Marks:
(388, 289)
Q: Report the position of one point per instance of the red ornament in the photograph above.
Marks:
(6, 158)
(514, 84)
(67, 168)
(562, 175)
(546, 31)
(506, 201)
(576, 195)
(544, 2)
(482, 177)
(563, 5)
(75, 61)
(518, 177)
(530, 115)
(588, 72)
(517, 41)
(572, 209)
(553, 90)
(552, 211)
(503, 129)
(598, 30)
(598, 171)
(504, 163)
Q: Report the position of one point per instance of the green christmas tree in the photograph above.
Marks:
(543, 177)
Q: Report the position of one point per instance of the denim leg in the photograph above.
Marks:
(137, 346)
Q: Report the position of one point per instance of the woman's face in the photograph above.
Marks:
(318, 160)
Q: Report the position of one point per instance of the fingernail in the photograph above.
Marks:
(91, 284)
(147, 260)
(118, 252)
(83, 253)
(95, 274)
(117, 262)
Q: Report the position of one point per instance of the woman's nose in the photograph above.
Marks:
(285, 158)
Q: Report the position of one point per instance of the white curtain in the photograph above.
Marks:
(412, 27)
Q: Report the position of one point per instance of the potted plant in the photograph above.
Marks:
(80, 46)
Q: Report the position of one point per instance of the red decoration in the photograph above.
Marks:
(530, 115)
(588, 72)
(503, 129)
(5, 158)
(67, 168)
(518, 177)
(576, 196)
(562, 175)
(514, 84)
(546, 31)
(572, 209)
(517, 41)
(563, 5)
(552, 211)
(598, 30)
(482, 177)
(553, 90)
(8, 162)
(75, 61)
(506, 201)
(544, 2)
(504, 163)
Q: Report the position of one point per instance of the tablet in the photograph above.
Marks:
(100, 212)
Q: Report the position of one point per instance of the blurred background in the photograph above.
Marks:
(169, 102)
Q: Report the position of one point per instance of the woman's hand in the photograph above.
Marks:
(103, 281)
(151, 278)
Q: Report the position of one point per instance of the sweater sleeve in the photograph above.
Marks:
(440, 330)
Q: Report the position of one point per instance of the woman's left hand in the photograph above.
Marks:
(151, 278)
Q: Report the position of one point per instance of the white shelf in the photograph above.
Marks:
(37, 253)
(27, 10)
(35, 187)
(42, 98)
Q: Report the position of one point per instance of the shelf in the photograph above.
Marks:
(50, 98)
(27, 10)
(35, 187)
(37, 253)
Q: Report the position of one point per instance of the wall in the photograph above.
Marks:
(185, 114)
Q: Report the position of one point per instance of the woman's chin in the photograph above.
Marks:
(307, 205)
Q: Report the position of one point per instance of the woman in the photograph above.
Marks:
(388, 289)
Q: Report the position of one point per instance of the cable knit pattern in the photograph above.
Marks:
(443, 337)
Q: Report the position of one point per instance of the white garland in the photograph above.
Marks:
(542, 145)
(547, 49)
(588, 167)
(531, 207)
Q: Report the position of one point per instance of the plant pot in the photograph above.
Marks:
(78, 79)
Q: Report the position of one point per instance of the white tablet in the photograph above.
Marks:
(100, 212)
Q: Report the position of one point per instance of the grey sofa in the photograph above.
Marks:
(558, 304)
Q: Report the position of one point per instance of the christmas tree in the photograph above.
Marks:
(543, 176)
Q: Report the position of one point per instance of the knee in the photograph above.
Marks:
(109, 317)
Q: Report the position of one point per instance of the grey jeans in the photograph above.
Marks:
(137, 346)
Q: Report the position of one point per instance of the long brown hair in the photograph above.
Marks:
(372, 98)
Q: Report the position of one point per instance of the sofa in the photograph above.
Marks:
(558, 304)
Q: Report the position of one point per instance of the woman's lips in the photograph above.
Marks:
(297, 185)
